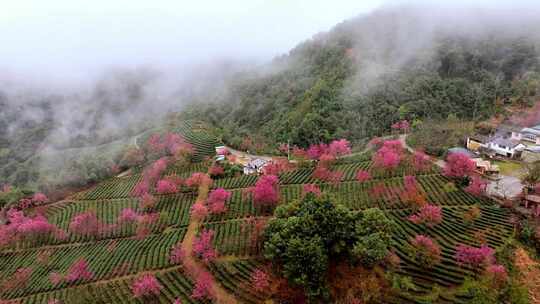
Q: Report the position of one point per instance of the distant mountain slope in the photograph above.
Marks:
(366, 73)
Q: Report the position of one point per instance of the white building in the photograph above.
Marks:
(255, 166)
(531, 134)
(507, 147)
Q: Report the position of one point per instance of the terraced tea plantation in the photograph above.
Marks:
(116, 258)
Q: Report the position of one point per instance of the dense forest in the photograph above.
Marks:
(367, 73)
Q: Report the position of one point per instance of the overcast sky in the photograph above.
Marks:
(72, 38)
(66, 37)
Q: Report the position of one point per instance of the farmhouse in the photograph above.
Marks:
(506, 146)
(255, 166)
(531, 134)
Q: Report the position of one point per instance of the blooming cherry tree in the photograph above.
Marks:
(216, 200)
(85, 224)
(429, 215)
(202, 246)
(266, 191)
(311, 188)
(474, 257)
(363, 176)
(204, 287)
(425, 251)
(260, 280)
(477, 186)
(79, 270)
(166, 186)
(458, 165)
(146, 286)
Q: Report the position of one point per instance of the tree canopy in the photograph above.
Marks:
(308, 235)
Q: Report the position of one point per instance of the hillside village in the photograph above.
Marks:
(361, 167)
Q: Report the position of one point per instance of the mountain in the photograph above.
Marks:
(366, 73)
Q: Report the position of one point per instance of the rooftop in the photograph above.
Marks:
(505, 142)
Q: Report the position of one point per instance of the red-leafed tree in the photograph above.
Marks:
(147, 201)
(459, 165)
(19, 279)
(496, 275)
(216, 171)
(177, 254)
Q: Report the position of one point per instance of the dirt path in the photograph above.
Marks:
(195, 266)
(530, 274)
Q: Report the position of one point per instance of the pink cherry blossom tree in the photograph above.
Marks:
(79, 270)
(260, 280)
(425, 251)
(266, 191)
(146, 286)
(477, 186)
(459, 165)
(204, 287)
(476, 258)
(420, 161)
(165, 186)
(199, 210)
(85, 224)
(340, 147)
(429, 215)
(39, 198)
(311, 188)
(363, 176)
(496, 275)
(216, 200)
(177, 254)
(127, 215)
(202, 246)
(389, 155)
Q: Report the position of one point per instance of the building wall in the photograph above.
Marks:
(516, 135)
(499, 150)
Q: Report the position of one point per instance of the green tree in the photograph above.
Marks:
(307, 235)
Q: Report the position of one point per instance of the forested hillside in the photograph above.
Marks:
(369, 72)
